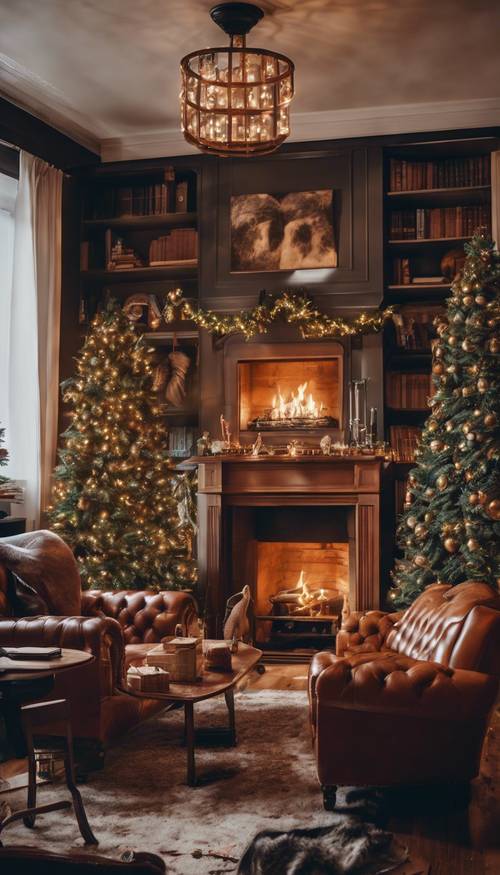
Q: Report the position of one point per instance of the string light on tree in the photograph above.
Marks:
(452, 507)
(113, 499)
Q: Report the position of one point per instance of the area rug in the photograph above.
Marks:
(140, 800)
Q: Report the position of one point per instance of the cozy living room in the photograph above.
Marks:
(249, 437)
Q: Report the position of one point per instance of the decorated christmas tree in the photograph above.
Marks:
(114, 501)
(450, 531)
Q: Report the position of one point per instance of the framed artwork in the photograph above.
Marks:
(282, 232)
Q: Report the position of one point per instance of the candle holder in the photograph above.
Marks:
(358, 414)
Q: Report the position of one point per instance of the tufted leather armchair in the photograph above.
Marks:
(109, 625)
(407, 696)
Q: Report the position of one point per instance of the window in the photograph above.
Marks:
(8, 191)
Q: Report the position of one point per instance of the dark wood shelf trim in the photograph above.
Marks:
(425, 191)
(166, 220)
(426, 240)
(175, 271)
(441, 287)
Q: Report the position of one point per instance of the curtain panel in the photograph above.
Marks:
(34, 332)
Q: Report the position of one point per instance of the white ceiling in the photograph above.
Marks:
(102, 69)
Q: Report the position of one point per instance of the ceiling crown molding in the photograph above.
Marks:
(41, 99)
(332, 125)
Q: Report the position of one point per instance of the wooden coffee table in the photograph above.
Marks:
(211, 683)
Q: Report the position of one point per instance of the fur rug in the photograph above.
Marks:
(268, 782)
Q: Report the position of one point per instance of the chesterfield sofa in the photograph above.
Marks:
(42, 604)
(407, 696)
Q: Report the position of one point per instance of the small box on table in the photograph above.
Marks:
(181, 657)
(148, 679)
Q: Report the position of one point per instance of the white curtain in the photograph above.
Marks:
(33, 369)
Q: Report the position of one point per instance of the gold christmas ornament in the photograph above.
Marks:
(442, 481)
(467, 345)
(469, 475)
(494, 345)
(420, 560)
(438, 368)
(482, 385)
(473, 545)
(436, 446)
(449, 426)
(429, 516)
(490, 420)
(493, 509)
(481, 300)
(467, 300)
(432, 425)
(451, 545)
(420, 531)
(453, 341)
(430, 492)
(411, 522)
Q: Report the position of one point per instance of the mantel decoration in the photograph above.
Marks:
(296, 308)
(234, 100)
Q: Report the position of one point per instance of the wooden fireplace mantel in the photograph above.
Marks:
(227, 482)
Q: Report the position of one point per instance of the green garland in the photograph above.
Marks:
(296, 309)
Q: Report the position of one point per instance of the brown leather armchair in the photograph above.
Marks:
(407, 697)
(106, 624)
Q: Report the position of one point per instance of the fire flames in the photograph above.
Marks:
(297, 406)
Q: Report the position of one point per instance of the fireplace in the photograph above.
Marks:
(284, 390)
(263, 520)
(302, 576)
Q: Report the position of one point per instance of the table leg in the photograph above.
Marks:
(189, 731)
(229, 696)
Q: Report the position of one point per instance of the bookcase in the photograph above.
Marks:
(139, 237)
(436, 193)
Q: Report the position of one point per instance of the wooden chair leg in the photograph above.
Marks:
(29, 819)
(69, 768)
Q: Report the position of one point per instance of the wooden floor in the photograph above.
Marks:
(455, 839)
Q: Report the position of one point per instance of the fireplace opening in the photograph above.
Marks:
(285, 394)
(300, 564)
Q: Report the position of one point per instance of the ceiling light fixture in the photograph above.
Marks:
(234, 100)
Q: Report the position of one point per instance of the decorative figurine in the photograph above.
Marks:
(326, 445)
(203, 444)
(236, 624)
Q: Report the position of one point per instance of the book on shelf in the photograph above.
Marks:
(404, 440)
(444, 173)
(414, 325)
(432, 223)
(407, 391)
(181, 440)
(402, 275)
(117, 256)
(180, 244)
(149, 199)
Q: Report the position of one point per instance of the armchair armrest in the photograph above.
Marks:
(102, 637)
(365, 631)
(144, 616)
(421, 689)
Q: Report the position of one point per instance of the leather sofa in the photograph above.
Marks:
(107, 624)
(407, 696)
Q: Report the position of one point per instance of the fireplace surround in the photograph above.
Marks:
(245, 501)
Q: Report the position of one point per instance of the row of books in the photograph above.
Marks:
(152, 199)
(433, 223)
(407, 391)
(445, 173)
(402, 274)
(404, 440)
(181, 439)
(414, 325)
(181, 244)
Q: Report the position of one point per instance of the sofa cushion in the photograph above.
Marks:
(46, 564)
(431, 626)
